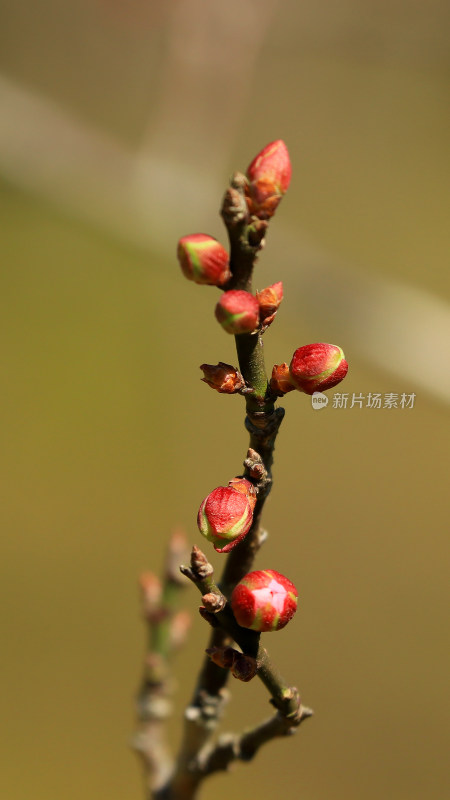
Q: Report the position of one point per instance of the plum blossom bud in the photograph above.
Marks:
(203, 259)
(225, 518)
(246, 487)
(238, 312)
(222, 377)
(269, 176)
(280, 382)
(151, 592)
(269, 301)
(264, 600)
(317, 367)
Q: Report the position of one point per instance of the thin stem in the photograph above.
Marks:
(166, 631)
(243, 747)
(250, 353)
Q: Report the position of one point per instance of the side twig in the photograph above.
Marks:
(166, 632)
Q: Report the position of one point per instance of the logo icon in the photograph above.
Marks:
(319, 400)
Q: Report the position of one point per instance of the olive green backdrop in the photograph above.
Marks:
(109, 439)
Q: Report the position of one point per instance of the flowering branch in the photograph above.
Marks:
(245, 603)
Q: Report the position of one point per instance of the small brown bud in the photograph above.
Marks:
(200, 564)
(254, 464)
(234, 205)
(214, 602)
(222, 377)
(244, 667)
(222, 656)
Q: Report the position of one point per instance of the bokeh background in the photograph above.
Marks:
(120, 124)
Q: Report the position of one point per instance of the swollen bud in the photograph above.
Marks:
(203, 259)
(246, 487)
(238, 312)
(269, 176)
(222, 377)
(264, 600)
(269, 301)
(225, 518)
(317, 367)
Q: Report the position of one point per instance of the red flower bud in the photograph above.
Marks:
(246, 487)
(224, 518)
(264, 600)
(269, 301)
(222, 377)
(316, 367)
(280, 382)
(203, 259)
(269, 176)
(238, 312)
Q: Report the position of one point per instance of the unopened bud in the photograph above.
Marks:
(214, 602)
(280, 382)
(225, 518)
(203, 259)
(264, 600)
(200, 565)
(242, 667)
(151, 590)
(254, 464)
(238, 312)
(317, 367)
(269, 301)
(222, 656)
(234, 206)
(222, 377)
(246, 487)
(269, 175)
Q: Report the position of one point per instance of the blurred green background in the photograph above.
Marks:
(120, 124)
